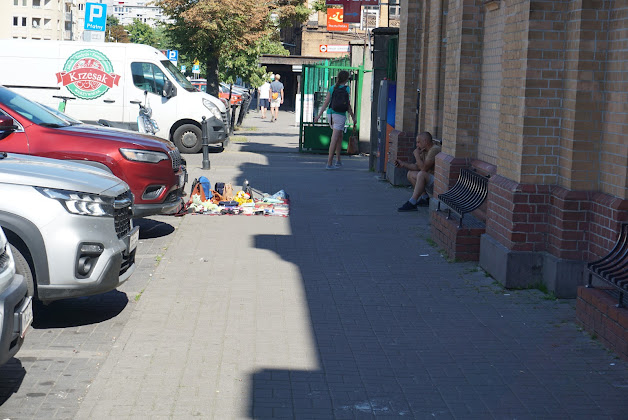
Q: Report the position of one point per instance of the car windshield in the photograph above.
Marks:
(30, 110)
(72, 121)
(179, 77)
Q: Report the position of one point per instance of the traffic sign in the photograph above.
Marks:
(183, 69)
(173, 55)
(333, 48)
(95, 17)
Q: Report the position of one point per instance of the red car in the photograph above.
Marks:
(152, 167)
(201, 84)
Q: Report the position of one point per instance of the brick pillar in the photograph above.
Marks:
(582, 119)
(408, 63)
(462, 86)
(402, 139)
(462, 78)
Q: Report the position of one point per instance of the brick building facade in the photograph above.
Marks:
(534, 93)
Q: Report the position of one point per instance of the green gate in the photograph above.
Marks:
(317, 79)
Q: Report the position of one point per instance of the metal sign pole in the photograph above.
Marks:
(205, 143)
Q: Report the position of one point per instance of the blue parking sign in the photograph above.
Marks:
(95, 17)
(173, 55)
(183, 69)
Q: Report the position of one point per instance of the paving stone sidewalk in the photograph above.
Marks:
(344, 310)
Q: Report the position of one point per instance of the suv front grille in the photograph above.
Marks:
(122, 215)
(175, 156)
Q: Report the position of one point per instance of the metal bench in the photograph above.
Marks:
(613, 267)
(466, 195)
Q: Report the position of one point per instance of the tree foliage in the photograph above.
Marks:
(114, 32)
(141, 33)
(245, 63)
(228, 34)
(204, 29)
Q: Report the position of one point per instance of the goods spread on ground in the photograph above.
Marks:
(223, 200)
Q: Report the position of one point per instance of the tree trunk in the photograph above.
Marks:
(213, 55)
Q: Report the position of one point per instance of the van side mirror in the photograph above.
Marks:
(169, 89)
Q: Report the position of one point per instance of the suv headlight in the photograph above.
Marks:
(81, 203)
(212, 108)
(144, 155)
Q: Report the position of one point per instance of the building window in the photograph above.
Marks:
(16, 2)
(16, 20)
(47, 24)
(81, 7)
(37, 4)
(36, 22)
(23, 21)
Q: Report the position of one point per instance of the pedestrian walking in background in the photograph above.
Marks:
(337, 106)
(276, 99)
(264, 98)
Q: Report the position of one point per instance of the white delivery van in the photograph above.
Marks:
(105, 78)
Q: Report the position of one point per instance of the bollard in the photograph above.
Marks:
(205, 143)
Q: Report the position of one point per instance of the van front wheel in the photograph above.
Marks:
(188, 138)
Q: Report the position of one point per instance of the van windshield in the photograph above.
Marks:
(179, 77)
(30, 110)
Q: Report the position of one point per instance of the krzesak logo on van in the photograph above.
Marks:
(88, 74)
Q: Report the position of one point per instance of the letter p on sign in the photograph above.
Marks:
(96, 12)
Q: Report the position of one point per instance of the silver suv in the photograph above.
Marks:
(16, 310)
(69, 226)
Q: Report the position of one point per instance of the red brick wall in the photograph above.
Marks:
(596, 312)
(461, 244)
(576, 225)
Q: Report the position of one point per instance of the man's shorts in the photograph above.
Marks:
(263, 103)
(337, 121)
(274, 103)
(430, 182)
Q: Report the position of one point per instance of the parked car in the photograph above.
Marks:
(201, 85)
(15, 305)
(152, 167)
(69, 225)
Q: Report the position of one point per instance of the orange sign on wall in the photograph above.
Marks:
(334, 20)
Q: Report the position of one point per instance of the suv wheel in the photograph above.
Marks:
(188, 138)
(22, 267)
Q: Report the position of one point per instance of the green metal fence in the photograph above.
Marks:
(316, 81)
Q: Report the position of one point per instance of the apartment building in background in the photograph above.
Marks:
(61, 20)
(126, 11)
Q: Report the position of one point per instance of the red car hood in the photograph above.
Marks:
(141, 140)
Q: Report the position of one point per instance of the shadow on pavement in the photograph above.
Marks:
(359, 375)
(150, 228)
(12, 375)
(79, 311)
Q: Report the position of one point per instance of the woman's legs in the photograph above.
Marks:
(334, 145)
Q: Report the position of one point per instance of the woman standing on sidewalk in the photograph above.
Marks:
(336, 119)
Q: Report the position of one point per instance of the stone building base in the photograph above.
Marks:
(597, 314)
(523, 269)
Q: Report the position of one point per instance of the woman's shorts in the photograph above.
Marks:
(337, 121)
(264, 103)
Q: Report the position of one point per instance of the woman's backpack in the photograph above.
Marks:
(340, 99)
